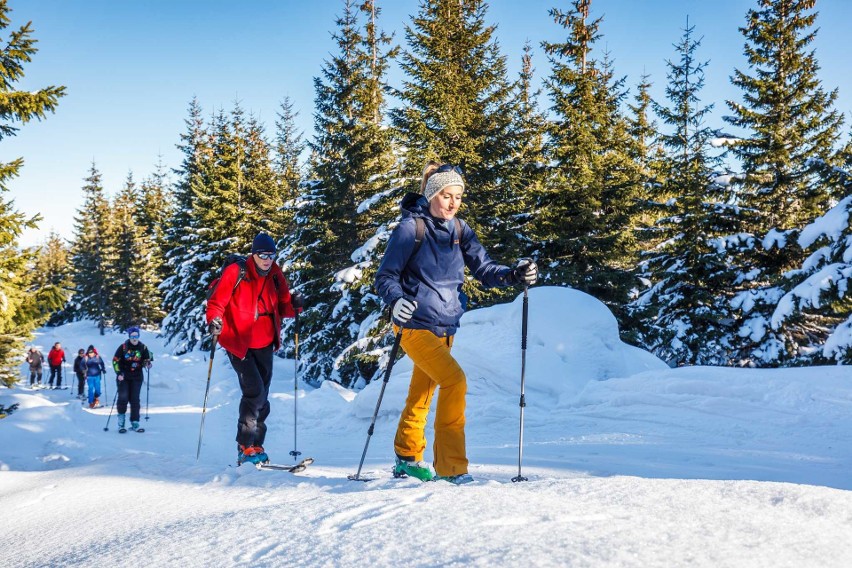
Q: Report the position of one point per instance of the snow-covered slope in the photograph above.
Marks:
(629, 463)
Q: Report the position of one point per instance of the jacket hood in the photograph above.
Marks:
(414, 205)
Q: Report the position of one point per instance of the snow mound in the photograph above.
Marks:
(572, 339)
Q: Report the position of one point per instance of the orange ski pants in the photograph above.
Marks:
(434, 367)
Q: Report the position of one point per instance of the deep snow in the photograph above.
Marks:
(629, 463)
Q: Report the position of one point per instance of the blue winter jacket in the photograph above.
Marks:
(95, 366)
(434, 277)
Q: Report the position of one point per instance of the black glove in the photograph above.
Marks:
(215, 326)
(525, 272)
(297, 301)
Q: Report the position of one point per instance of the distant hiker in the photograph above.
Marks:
(55, 358)
(245, 311)
(423, 290)
(36, 361)
(95, 370)
(80, 369)
(130, 358)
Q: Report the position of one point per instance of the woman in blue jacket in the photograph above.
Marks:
(423, 287)
(95, 369)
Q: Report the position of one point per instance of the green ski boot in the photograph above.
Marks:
(411, 468)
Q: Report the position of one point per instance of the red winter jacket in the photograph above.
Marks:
(251, 313)
(55, 356)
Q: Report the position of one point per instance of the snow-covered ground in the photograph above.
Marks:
(629, 463)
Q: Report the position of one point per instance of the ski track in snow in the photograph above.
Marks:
(629, 463)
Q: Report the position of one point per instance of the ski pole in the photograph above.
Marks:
(523, 401)
(147, 392)
(357, 476)
(103, 374)
(296, 453)
(111, 408)
(206, 392)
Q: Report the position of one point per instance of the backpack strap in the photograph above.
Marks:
(420, 233)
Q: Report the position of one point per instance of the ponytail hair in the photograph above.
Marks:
(431, 167)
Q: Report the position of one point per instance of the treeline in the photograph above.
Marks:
(613, 193)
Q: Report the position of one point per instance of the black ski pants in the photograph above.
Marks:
(56, 371)
(81, 382)
(35, 373)
(255, 374)
(130, 390)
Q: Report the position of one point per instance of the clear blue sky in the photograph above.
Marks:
(132, 66)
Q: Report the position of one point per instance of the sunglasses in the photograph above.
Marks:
(134, 336)
(265, 255)
(450, 168)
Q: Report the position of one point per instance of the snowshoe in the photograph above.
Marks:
(406, 468)
(460, 479)
(135, 427)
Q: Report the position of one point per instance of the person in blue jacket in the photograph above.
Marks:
(423, 288)
(95, 370)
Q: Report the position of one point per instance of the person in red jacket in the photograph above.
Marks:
(245, 311)
(55, 358)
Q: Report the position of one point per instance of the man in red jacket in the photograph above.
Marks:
(245, 311)
(55, 358)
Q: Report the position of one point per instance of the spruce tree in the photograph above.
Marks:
(352, 162)
(133, 296)
(16, 107)
(790, 133)
(153, 214)
(589, 201)
(89, 252)
(526, 171)
(50, 280)
(288, 147)
(678, 314)
(184, 326)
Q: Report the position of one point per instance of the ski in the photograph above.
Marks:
(122, 430)
(301, 466)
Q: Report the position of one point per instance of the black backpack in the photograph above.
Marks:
(241, 261)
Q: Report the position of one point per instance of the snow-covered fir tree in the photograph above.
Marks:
(88, 251)
(459, 107)
(180, 286)
(791, 131)
(153, 213)
(679, 315)
(526, 171)
(133, 296)
(352, 162)
(16, 107)
(589, 200)
(51, 283)
(287, 164)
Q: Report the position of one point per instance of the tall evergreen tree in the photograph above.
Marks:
(589, 201)
(679, 314)
(133, 296)
(16, 107)
(352, 162)
(184, 324)
(153, 214)
(89, 251)
(791, 131)
(287, 151)
(526, 171)
(458, 106)
(50, 280)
